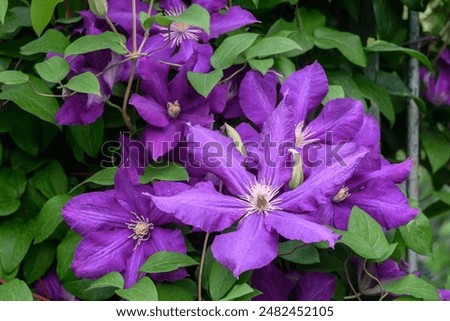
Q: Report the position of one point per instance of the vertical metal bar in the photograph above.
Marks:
(413, 126)
(371, 72)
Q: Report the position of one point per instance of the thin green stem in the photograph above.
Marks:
(202, 263)
(348, 279)
(126, 117)
(134, 26)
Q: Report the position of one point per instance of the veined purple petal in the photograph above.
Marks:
(101, 253)
(248, 133)
(385, 202)
(274, 284)
(251, 246)
(277, 137)
(120, 12)
(80, 109)
(369, 133)
(258, 95)
(316, 286)
(95, 211)
(299, 227)
(399, 172)
(202, 207)
(310, 85)
(151, 111)
(211, 5)
(133, 154)
(171, 4)
(162, 140)
(234, 18)
(154, 80)
(339, 121)
(334, 168)
(131, 274)
(218, 98)
(217, 154)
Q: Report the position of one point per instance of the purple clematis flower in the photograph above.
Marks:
(444, 295)
(168, 106)
(84, 109)
(437, 90)
(121, 229)
(51, 288)
(277, 286)
(184, 39)
(262, 206)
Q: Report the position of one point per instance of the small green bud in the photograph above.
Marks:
(234, 135)
(99, 7)
(297, 170)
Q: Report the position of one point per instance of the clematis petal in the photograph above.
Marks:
(310, 85)
(258, 95)
(95, 211)
(385, 202)
(101, 253)
(133, 154)
(274, 284)
(316, 286)
(152, 112)
(277, 137)
(234, 18)
(215, 212)
(336, 165)
(160, 141)
(80, 109)
(251, 246)
(218, 155)
(339, 121)
(211, 6)
(131, 274)
(299, 227)
(444, 295)
(154, 80)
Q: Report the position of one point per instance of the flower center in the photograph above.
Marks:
(141, 228)
(341, 195)
(260, 199)
(303, 134)
(178, 31)
(173, 109)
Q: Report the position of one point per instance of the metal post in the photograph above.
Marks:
(413, 126)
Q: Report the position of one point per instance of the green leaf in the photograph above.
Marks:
(49, 217)
(297, 252)
(15, 290)
(111, 280)
(378, 95)
(85, 83)
(418, 235)
(285, 66)
(38, 261)
(41, 13)
(347, 43)
(3, 9)
(25, 131)
(16, 18)
(164, 172)
(344, 79)
(204, 83)
(105, 177)
(12, 186)
(238, 291)
(183, 290)
(15, 237)
(311, 20)
(220, 280)
(13, 77)
(90, 43)
(89, 137)
(433, 142)
(261, 65)
(26, 98)
(269, 46)
(388, 16)
(51, 41)
(167, 261)
(383, 46)
(53, 70)
(64, 256)
(51, 180)
(237, 140)
(231, 48)
(143, 290)
(365, 236)
(334, 92)
(412, 285)
(393, 84)
(195, 15)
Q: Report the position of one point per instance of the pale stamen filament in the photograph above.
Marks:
(141, 227)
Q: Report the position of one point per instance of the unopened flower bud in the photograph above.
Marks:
(99, 7)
